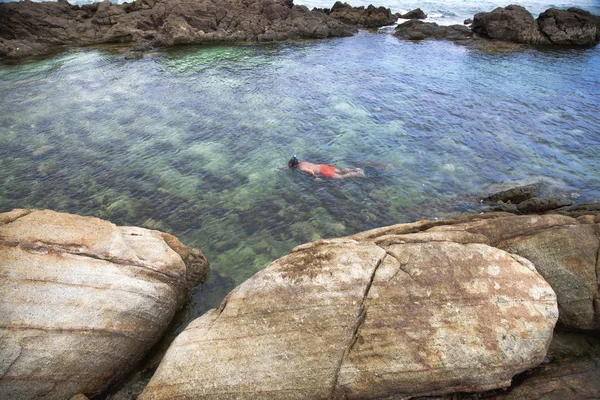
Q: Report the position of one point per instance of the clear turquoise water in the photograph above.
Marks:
(188, 140)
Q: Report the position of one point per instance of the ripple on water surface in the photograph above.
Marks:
(188, 140)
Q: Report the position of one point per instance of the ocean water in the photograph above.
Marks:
(188, 140)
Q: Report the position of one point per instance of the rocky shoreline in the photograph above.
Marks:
(438, 308)
(30, 28)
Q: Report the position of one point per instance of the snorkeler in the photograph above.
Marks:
(328, 171)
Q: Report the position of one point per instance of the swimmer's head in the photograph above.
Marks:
(293, 163)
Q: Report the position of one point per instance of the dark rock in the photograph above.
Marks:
(540, 206)
(512, 23)
(30, 28)
(414, 14)
(468, 21)
(370, 17)
(579, 210)
(557, 27)
(570, 27)
(516, 195)
(419, 30)
(14, 49)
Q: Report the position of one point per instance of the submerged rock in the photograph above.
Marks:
(517, 194)
(403, 311)
(83, 300)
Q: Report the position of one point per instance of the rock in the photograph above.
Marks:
(557, 27)
(568, 27)
(30, 28)
(563, 249)
(468, 21)
(419, 30)
(83, 300)
(512, 23)
(581, 210)
(571, 372)
(414, 14)
(516, 195)
(15, 49)
(540, 206)
(370, 17)
(378, 316)
(79, 396)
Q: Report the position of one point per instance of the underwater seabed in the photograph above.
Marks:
(188, 140)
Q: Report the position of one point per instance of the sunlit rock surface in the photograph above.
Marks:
(402, 311)
(82, 300)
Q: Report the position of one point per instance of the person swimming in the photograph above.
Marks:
(326, 170)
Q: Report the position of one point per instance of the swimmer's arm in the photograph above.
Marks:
(281, 166)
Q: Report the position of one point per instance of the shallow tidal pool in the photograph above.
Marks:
(187, 140)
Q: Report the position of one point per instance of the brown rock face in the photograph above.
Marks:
(28, 28)
(370, 17)
(564, 250)
(559, 27)
(82, 300)
(379, 315)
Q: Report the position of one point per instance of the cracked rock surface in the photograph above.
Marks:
(83, 300)
(412, 310)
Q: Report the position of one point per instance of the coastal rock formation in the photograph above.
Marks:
(28, 28)
(411, 310)
(83, 300)
(513, 24)
(564, 250)
(413, 14)
(370, 17)
(419, 30)
(559, 27)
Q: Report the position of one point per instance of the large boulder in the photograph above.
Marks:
(557, 27)
(569, 27)
(378, 315)
(83, 300)
(564, 250)
(413, 14)
(370, 17)
(512, 23)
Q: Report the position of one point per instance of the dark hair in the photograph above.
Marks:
(293, 163)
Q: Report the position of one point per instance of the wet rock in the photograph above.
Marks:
(540, 206)
(83, 300)
(558, 27)
(569, 27)
(370, 17)
(468, 21)
(516, 195)
(30, 28)
(414, 14)
(419, 30)
(368, 317)
(580, 210)
(512, 23)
